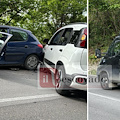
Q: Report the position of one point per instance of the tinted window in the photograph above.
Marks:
(65, 37)
(75, 37)
(18, 35)
(56, 38)
(62, 37)
(114, 49)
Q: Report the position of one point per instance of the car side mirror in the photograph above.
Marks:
(98, 53)
(46, 41)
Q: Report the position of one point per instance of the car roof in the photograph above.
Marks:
(75, 26)
(18, 28)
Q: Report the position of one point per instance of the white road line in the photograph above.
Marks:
(106, 97)
(27, 98)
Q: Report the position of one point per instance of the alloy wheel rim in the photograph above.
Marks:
(32, 62)
(104, 82)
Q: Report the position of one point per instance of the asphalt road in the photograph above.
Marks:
(103, 104)
(21, 99)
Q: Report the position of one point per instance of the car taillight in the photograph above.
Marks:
(40, 45)
(82, 43)
(84, 35)
(83, 38)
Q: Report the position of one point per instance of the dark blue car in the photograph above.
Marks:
(21, 49)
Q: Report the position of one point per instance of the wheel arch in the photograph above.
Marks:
(59, 63)
(104, 71)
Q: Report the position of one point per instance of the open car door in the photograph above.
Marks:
(4, 38)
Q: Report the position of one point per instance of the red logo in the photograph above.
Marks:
(47, 77)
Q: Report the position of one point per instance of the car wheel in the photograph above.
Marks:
(60, 86)
(31, 62)
(105, 83)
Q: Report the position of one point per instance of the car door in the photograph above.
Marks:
(113, 59)
(17, 46)
(57, 45)
(4, 38)
(63, 47)
(50, 48)
(116, 60)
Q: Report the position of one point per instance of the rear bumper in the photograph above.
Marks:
(40, 56)
(71, 80)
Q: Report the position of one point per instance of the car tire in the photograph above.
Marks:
(61, 87)
(31, 62)
(105, 82)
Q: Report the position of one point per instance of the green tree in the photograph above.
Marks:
(42, 17)
(103, 21)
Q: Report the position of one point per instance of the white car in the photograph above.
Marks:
(66, 51)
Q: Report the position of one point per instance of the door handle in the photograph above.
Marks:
(60, 50)
(26, 46)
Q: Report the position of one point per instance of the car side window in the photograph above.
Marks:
(109, 53)
(56, 38)
(75, 37)
(62, 37)
(18, 35)
(66, 36)
(115, 49)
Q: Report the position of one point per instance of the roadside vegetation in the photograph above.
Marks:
(104, 25)
(42, 17)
